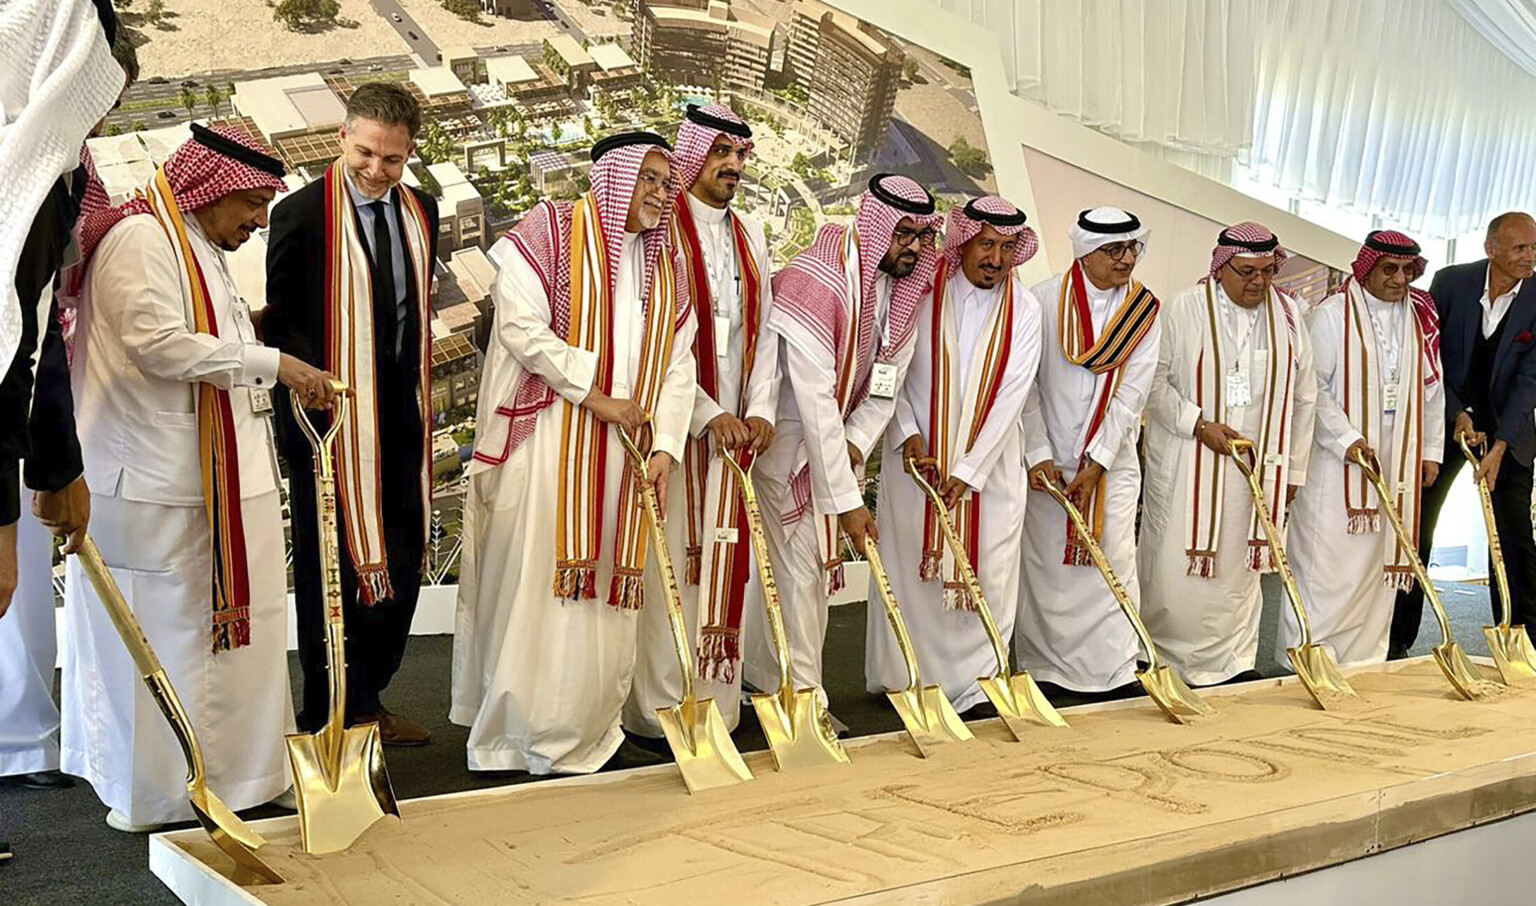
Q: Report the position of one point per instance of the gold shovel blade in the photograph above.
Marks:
(1463, 674)
(1020, 703)
(702, 745)
(1512, 652)
(929, 718)
(799, 735)
(341, 786)
(231, 834)
(1324, 681)
(1168, 691)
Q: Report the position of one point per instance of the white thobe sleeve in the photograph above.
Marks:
(1304, 412)
(1023, 364)
(1434, 420)
(906, 413)
(705, 409)
(678, 393)
(834, 487)
(147, 303)
(1037, 443)
(867, 422)
(1166, 404)
(1123, 418)
(1332, 430)
(522, 326)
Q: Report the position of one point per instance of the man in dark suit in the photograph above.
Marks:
(1488, 352)
(349, 281)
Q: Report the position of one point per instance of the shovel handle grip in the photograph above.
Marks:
(1085, 537)
(963, 564)
(1245, 456)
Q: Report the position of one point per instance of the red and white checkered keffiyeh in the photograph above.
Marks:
(1381, 244)
(961, 228)
(542, 237)
(1245, 239)
(694, 141)
(199, 176)
(811, 291)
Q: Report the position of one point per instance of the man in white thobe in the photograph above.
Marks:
(724, 256)
(1376, 347)
(1081, 423)
(978, 348)
(846, 309)
(556, 539)
(1234, 363)
(172, 393)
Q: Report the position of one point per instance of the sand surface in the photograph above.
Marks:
(1124, 807)
(213, 35)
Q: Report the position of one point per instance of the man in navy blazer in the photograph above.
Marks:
(1488, 355)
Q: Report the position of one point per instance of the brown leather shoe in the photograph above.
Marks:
(398, 730)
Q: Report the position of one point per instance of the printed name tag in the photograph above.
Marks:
(1238, 392)
(725, 534)
(722, 336)
(1389, 396)
(261, 401)
(882, 382)
(1273, 460)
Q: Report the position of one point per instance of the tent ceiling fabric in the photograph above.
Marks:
(1509, 25)
(1394, 107)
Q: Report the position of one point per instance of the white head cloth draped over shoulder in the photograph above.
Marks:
(1102, 226)
(966, 221)
(701, 127)
(58, 80)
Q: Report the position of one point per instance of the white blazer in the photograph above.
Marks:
(138, 362)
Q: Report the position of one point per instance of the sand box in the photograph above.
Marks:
(1122, 808)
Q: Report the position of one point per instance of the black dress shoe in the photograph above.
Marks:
(39, 780)
(1397, 653)
(630, 755)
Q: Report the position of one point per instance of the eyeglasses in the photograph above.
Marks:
(1118, 250)
(905, 236)
(650, 182)
(1250, 274)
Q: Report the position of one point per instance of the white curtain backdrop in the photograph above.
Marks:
(1510, 25)
(1397, 108)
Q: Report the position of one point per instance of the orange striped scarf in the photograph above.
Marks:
(957, 414)
(584, 439)
(1104, 356)
(218, 453)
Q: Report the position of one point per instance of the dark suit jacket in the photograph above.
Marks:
(43, 403)
(1458, 292)
(294, 318)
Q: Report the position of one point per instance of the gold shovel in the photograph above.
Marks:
(796, 725)
(339, 778)
(925, 711)
(1163, 684)
(1018, 700)
(229, 833)
(1510, 646)
(1453, 661)
(1315, 667)
(695, 731)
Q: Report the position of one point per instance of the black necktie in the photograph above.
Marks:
(383, 278)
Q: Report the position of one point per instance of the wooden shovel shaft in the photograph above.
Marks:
(765, 573)
(1085, 538)
(1491, 527)
(1242, 450)
(967, 572)
(675, 616)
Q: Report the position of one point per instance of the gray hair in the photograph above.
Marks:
(385, 102)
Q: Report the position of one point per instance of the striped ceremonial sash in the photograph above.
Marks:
(1104, 356)
(955, 417)
(350, 355)
(218, 452)
(584, 439)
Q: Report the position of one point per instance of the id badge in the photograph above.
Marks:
(882, 382)
(1389, 396)
(722, 336)
(725, 534)
(1239, 394)
(261, 400)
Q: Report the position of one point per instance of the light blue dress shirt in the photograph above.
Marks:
(397, 247)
